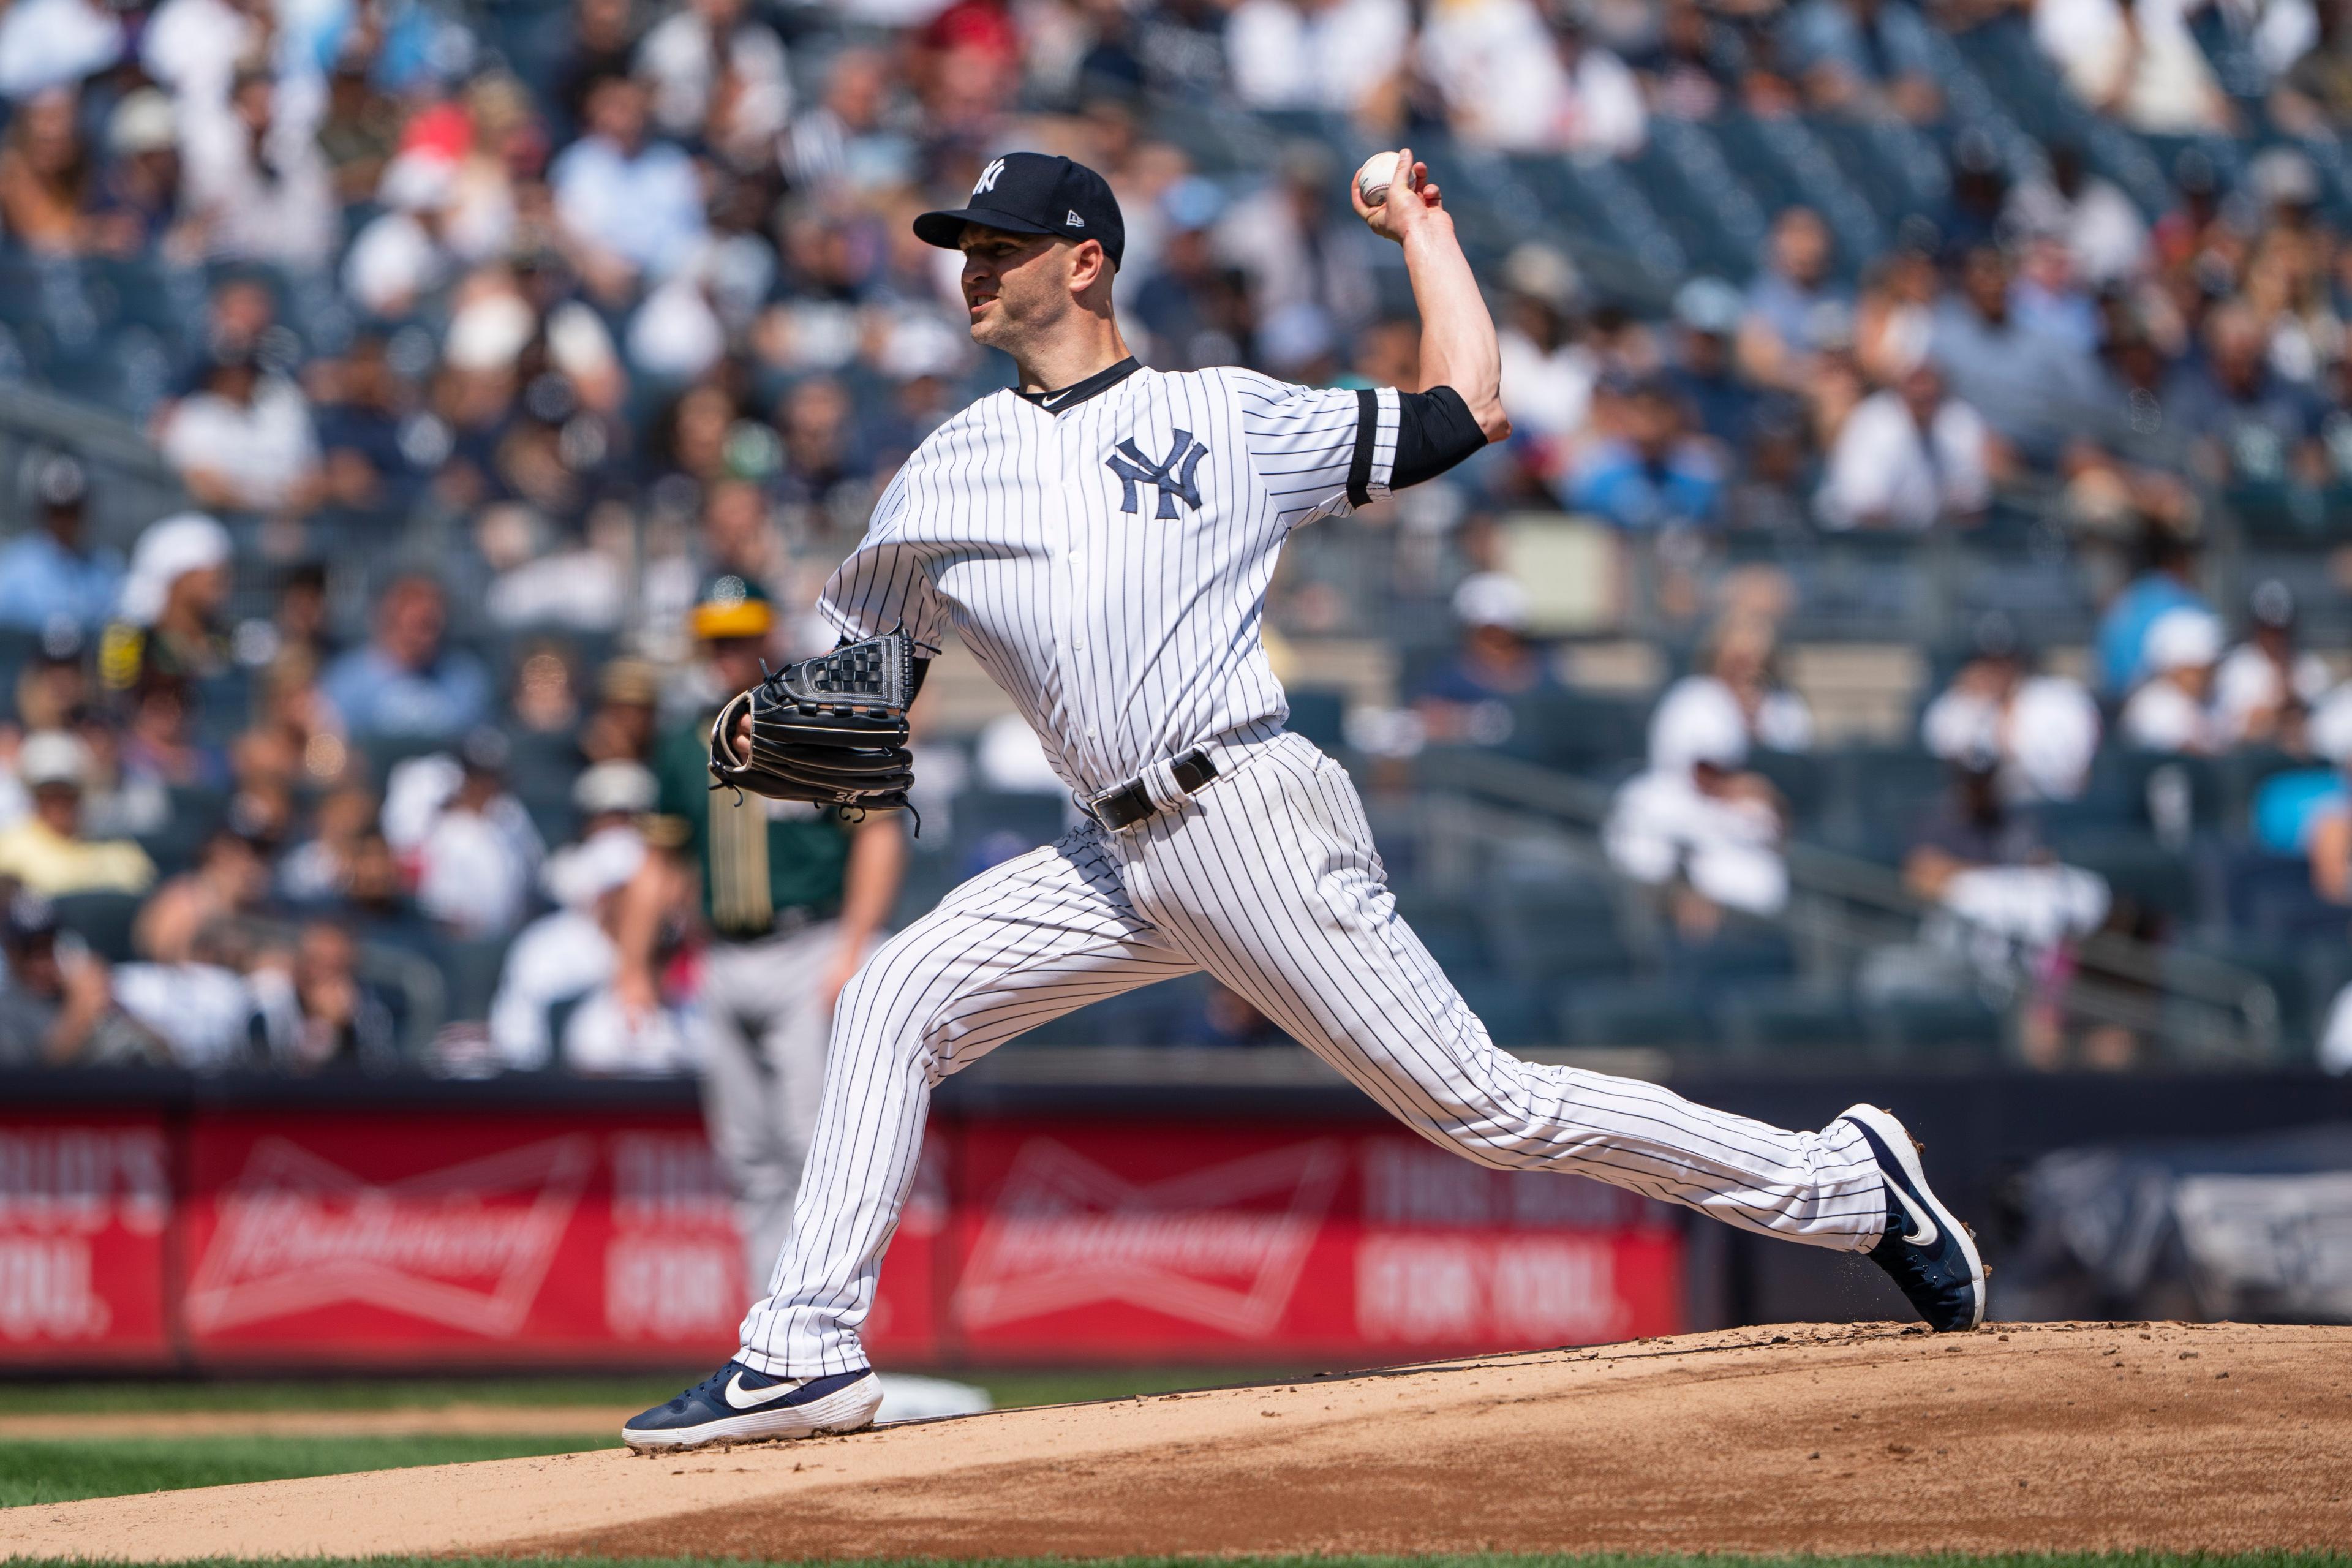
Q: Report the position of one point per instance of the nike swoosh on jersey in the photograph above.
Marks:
(741, 1398)
(1923, 1231)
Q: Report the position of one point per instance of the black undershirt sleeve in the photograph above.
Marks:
(1435, 430)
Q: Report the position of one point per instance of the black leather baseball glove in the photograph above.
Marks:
(831, 730)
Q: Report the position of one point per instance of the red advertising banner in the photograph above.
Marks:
(85, 1206)
(245, 1237)
(1181, 1240)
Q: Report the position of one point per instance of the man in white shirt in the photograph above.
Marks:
(1907, 458)
(2172, 712)
(2266, 679)
(1695, 816)
(634, 206)
(2042, 729)
(244, 441)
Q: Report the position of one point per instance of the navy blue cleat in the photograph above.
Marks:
(1929, 1253)
(736, 1405)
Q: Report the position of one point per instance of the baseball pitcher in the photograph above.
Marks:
(1101, 539)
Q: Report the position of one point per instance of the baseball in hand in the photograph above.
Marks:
(1372, 179)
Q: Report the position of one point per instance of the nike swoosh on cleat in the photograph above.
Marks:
(741, 1398)
(1923, 1231)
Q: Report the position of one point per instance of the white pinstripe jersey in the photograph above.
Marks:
(1107, 559)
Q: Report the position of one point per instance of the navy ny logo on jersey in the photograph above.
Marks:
(1173, 475)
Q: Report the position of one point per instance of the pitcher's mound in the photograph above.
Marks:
(1868, 1438)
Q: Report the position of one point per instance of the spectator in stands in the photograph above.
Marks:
(171, 605)
(1795, 308)
(1297, 242)
(359, 130)
(255, 175)
(44, 177)
(243, 440)
(479, 853)
(568, 955)
(1698, 825)
(2034, 388)
(2314, 94)
(1909, 456)
(2103, 233)
(1495, 664)
(2166, 582)
(1705, 368)
(826, 471)
(1340, 55)
(48, 45)
(2267, 684)
(230, 880)
(1984, 860)
(138, 207)
(852, 140)
(57, 1007)
(50, 573)
(404, 681)
(1548, 373)
(1651, 472)
(1192, 304)
(2172, 710)
(2248, 423)
(46, 853)
(1517, 79)
(1862, 56)
(204, 1009)
(337, 1019)
(632, 206)
(377, 451)
(2041, 730)
(1736, 665)
(620, 728)
(717, 76)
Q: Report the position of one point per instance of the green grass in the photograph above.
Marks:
(1468, 1559)
(45, 1472)
(1010, 1390)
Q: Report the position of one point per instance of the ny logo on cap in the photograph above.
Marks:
(1173, 477)
(988, 178)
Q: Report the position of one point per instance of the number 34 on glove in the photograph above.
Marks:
(831, 730)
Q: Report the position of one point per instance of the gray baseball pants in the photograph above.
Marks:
(764, 1033)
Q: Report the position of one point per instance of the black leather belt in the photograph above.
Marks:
(1131, 803)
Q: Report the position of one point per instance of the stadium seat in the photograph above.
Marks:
(471, 967)
(1514, 1014)
(1930, 1025)
(1633, 1013)
(1787, 1017)
(1543, 932)
(102, 920)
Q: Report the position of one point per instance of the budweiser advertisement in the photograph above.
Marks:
(1189, 1241)
(253, 1237)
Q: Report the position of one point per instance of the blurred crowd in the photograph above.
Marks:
(503, 331)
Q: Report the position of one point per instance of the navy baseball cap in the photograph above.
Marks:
(1031, 193)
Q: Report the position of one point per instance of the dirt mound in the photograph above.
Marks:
(1867, 1438)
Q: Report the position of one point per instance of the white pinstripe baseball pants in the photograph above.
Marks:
(1267, 879)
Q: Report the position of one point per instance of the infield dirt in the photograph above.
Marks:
(1860, 1438)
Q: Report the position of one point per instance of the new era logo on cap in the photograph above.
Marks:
(1033, 193)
